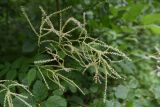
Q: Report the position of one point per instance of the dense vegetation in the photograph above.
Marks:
(80, 53)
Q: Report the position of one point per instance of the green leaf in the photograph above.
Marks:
(137, 103)
(98, 103)
(129, 103)
(73, 89)
(121, 92)
(19, 103)
(151, 19)
(11, 74)
(154, 28)
(127, 67)
(58, 92)
(61, 54)
(133, 12)
(56, 101)
(4, 71)
(31, 75)
(109, 103)
(94, 89)
(133, 83)
(113, 103)
(106, 21)
(117, 104)
(156, 91)
(40, 91)
(141, 92)
(76, 100)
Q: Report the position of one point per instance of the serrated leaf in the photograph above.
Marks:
(56, 101)
(31, 75)
(40, 90)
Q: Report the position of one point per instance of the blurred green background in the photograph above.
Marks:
(132, 26)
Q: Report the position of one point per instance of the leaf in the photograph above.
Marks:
(94, 89)
(98, 103)
(87, 2)
(109, 103)
(61, 54)
(133, 83)
(11, 74)
(58, 92)
(154, 28)
(73, 89)
(129, 103)
(56, 101)
(4, 71)
(31, 75)
(40, 90)
(121, 92)
(127, 67)
(151, 19)
(106, 21)
(76, 100)
(113, 103)
(22, 77)
(137, 103)
(141, 92)
(133, 12)
(17, 63)
(156, 91)
(19, 103)
(89, 14)
(117, 104)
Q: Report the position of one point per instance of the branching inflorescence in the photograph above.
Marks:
(85, 50)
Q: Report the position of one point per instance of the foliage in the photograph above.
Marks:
(60, 63)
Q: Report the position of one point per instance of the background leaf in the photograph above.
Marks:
(121, 92)
(56, 101)
(31, 76)
(40, 91)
